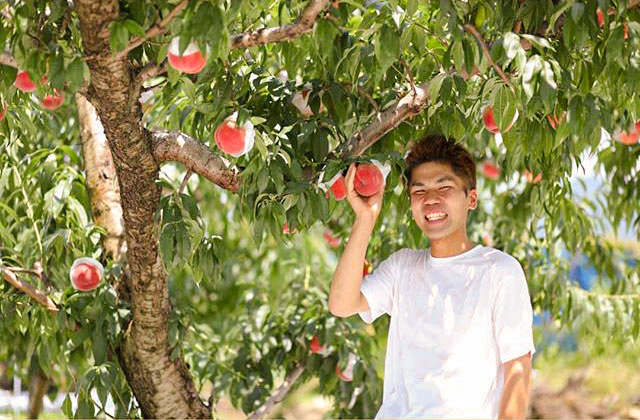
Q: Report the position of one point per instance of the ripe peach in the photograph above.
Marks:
(490, 121)
(53, 102)
(337, 186)
(600, 16)
(367, 268)
(529, 177)
(626, 31)
(347, 374)
(301, 101)
(490, 170)
(23, 82)
(85, 274)
(191, 61)
(555, 121)
(285, 229)
(370, 178)
(332, 241)
(628, 137)
(3, 112)
(234, 140)
(317, 348)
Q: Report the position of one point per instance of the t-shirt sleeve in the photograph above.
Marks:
(512, 313)
(378, 289)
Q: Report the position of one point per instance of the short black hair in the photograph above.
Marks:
(437, 148)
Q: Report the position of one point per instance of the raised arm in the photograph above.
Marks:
(345, 298)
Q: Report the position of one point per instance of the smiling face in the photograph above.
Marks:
(440, 201)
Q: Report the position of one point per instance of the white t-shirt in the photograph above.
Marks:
(454, 321)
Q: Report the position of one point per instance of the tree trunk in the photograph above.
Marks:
(162, 387)
(37, 389)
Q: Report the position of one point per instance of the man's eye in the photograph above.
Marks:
(417, 192)
(445, 188)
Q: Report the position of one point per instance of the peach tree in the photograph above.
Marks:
(188, 145)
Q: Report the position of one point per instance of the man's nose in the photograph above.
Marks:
(431, 197)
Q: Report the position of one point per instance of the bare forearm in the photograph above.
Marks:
(345, 284)
(514, 401)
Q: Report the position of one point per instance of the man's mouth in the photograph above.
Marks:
(435, 216)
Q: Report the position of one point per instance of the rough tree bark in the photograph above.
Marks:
(163, 388)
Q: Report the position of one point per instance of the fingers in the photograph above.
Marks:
(351, 175)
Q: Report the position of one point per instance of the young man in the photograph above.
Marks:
(460, 338)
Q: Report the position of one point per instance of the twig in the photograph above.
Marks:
(364, 93)
(185, 180)
(517, 27)
(410, 74)
(158, 29)
(151, 70)
(28, 289)
(303, 24)
(7, 60)
(473, 31)
(279, 394)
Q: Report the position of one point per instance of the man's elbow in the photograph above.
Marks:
(339, 310)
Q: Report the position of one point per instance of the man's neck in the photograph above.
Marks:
(449, 247)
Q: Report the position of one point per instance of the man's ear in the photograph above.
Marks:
(473, 199)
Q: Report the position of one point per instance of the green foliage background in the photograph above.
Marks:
(247, 298)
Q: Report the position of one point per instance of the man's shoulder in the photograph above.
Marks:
(500, 260)
(404, 257)
(407, 254)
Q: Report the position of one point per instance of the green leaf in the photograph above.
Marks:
(66, 406)
(325, 34)
(529, 80)
(457, 52)
(577, 10)
(386, 46)
(75, 73)
(119, 36)
(320, 144)
(56, 69)
(134, 27)
(99, 344)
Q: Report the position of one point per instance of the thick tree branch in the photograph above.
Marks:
(278, 395)
(28, 289)
(158, 29)
(473, 31)
(409, 106)
(7, 60)
(177, 147)
(303, 24)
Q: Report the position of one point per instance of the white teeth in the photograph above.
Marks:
(436, 216)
